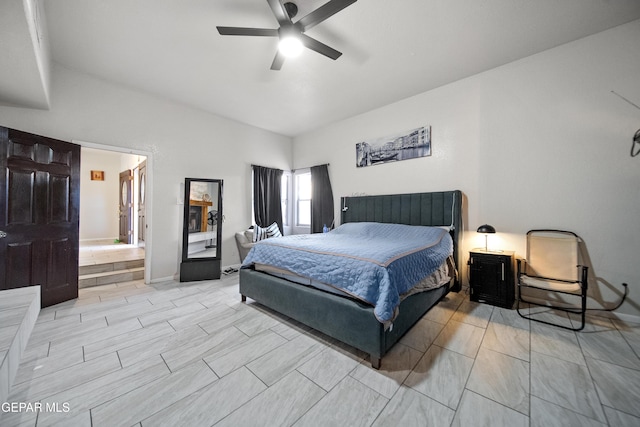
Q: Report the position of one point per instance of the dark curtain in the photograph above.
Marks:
(267, 200)
(321, 199)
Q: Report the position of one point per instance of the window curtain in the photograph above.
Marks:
(321, 199)
(267, 200)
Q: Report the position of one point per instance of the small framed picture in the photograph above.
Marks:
(97, 175)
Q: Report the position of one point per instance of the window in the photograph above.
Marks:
(303, 198)
(295, 192)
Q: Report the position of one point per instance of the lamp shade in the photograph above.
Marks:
(486, 228)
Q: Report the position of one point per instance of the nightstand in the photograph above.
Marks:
(491, 277)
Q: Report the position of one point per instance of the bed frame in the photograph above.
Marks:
(348, 320)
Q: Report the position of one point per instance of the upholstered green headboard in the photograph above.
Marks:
(442, 208)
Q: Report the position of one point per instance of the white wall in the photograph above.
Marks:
(99, 199)
(538, 143)
(184, 142)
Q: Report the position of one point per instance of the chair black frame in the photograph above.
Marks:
(583, 281)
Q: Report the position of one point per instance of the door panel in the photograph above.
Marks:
(126, 207)
(20, 197)
(18, 260)
(142, 194)
(40, 187)
(58, 252)
(59, 187)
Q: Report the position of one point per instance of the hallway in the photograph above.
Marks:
(104, 262)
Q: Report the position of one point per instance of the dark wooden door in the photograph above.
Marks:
(142, 193)
(126, 206)
(40, 193)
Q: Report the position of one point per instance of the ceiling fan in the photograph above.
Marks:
(291, 35)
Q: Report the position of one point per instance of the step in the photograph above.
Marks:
(110, 266)
(112, 276)
(19, 310)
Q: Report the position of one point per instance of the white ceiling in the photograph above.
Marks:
(391, 50)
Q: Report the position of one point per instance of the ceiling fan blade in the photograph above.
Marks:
(280, 12)
(319, 47)
(240, 31)
(323, 12)
(277, 61)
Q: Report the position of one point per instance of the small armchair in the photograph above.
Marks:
(552, 265)
(244, 241)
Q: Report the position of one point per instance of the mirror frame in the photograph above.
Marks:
(201, 268)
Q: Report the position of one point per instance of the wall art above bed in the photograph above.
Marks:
(402, 146)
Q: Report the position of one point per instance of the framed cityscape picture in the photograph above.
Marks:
(403, 146)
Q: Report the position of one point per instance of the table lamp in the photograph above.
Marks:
(486, 229)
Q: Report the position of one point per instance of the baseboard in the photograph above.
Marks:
(164, 279)
(615, 316)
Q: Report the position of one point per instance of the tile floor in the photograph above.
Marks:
(191, 354)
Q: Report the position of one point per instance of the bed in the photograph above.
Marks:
(351, 320)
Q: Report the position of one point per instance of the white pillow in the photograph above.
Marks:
(260, 233)
(273, 230)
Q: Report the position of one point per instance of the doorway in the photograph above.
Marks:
(106, 254)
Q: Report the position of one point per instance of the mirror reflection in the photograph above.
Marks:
(202, 230)
(203, 218)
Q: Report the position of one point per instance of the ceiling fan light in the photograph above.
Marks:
(290, 46)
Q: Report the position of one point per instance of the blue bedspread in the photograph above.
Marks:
(376, 263)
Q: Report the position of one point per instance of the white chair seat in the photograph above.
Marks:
(551, 285)
(554, 264)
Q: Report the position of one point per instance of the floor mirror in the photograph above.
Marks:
(202, 230)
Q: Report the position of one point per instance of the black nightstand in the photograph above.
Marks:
(491, 278)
